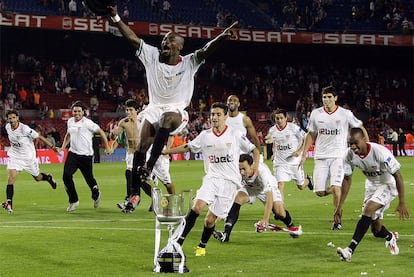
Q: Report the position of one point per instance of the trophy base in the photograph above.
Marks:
(169, 262)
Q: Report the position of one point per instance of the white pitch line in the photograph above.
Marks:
(336, 233)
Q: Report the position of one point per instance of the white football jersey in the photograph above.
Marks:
(81, 133)
(221, 152)
(237, 123)
(377, 165)
(21, 141)
(168, 84)
(331, 130)
(286, 141)
(262, 183)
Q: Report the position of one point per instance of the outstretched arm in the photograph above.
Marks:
(176, 150)
(123, 28)
(212, 45)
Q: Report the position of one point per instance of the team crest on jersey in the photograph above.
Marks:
(338, 122)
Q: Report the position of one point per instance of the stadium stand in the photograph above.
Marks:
(302, 15)
(290, 79)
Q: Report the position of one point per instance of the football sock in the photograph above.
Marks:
(139, 160)
(360, 230)
(157, 146)
(147, 188)
(383, 233)
(170, 188)
(128, 177)
(207, 231)
(232, 218)
(9, 192)
(45, 177)
(287, 220)
(189, 224)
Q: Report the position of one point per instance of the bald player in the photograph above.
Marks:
(170, 79)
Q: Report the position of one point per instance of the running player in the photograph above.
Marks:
(382, 184)
(328, 127)
(288, 140)
(221, 146)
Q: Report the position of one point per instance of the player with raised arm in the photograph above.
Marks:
(383, 183)
(170, 79)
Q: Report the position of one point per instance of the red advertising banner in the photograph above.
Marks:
(44, 156)
(204, 32)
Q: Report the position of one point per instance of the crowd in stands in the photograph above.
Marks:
(296, 87)
(287, 15)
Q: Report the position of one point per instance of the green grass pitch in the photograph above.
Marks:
(41, 239)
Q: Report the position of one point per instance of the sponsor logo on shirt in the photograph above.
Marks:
(284, 147)
(326, 131)
(373, 173)
(221, 159)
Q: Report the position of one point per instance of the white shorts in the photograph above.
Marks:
(219, 195)
(381, 194)
(162, 169)
(288, 172)
(277, 196)
(153, 113)
(328, 169)
(31, 166)
(129, 160)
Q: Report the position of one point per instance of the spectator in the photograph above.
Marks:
(23, 96)
(401, 142)
(73, 8)
(125, 13)
(55, 134)
(52, 141)
(94, 104)
(394, 141)
(44, 110)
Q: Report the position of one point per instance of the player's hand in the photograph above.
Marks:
(402, 210)
(113, 10)
(264, 223)
(229, 31)
(108, 151)
(56, 149)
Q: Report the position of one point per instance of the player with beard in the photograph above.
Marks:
(240, 121)
(383, 183)
(170, 79)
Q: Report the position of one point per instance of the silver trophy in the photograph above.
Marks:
(170, 210)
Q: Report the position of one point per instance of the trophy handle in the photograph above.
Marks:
(186, 200)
